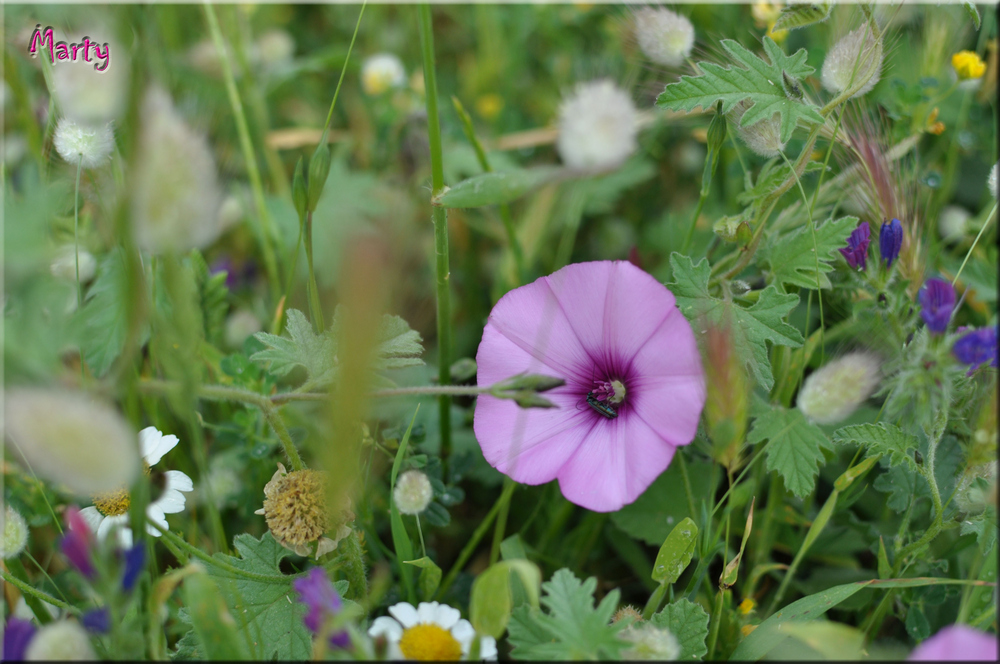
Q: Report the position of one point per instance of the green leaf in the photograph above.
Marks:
(752, 327)
(832, 640)
(973, 13)
(756, 80)
(496, 187)
(801, 14)
(653, 515)
(430, 576)
(302, 348)
(769, 634)
(771, 175)
(792, 258)
(491, 600)
(903, 484)
(213, 297)
(269, 610)
(886, 440)
(573, 628)
(105, 323)
(984, 525)
(676, 553)
(214, 627)
(397, 346)
(688, 622)
(795, 449)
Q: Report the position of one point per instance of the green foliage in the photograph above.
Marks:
(396, 347)
(572, 628)
(267, 607)
(795, 449)
(492, 598)
(495, 188)
(751, 326)
(800, 14)
(792, 258)
(774, 173)
(688, 622)
(881, 440)
(984, 526)
(676, 553)
(756, 80)
(213, 626)
(212, 297)
(104, 315)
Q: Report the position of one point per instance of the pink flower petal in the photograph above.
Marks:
(616, 462)
(670, 406)
(957, 643)
(612, 306)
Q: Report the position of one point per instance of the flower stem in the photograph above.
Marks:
(713, 635)
(314, 306)
(195, 552)
(961, 267)
(76, 234)
(439, 216)
(694, 220)
(501, 525)
(18, 577)
(267, 233)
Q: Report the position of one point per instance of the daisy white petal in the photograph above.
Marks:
(386, 626)
(405, 614)
(179, 481)
(92, 517)
(488, 648)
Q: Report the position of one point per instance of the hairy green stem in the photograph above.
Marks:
(689, 236)
(17, 577)
(355, 570)
(439, 216)
(195, 552)
(246, 146)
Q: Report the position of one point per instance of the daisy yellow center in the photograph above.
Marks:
(429, 642)
(117, 502)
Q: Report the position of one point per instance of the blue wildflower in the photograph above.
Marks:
(317, 593)
(977, 348)
(937, 299)
(890, 241)
(856, 251)
(97, 621)
(16, 637)
(135, 559)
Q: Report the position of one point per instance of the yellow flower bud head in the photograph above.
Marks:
(968, 65)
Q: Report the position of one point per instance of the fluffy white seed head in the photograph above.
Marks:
(413, 492)
(69, 438)
(833, 392)
(953, 222)
(15, 533)
(64, 264)
(175, 198)
(991, 182)
(90, 145)
(62, 640)
(650, 643)
(597, 126)
(382, 72)
(854, 63)
(665, 37)
(763, 137)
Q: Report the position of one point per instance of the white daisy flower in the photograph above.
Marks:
(430, 632)
(382, 72)
(111, 509)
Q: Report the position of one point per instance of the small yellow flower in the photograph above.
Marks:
(489, 105)
(746, 606)
(968, 65)
(766, 13)
(746, 629)
(777, 35)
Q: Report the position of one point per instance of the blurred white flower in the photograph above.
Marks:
(953, 222)
(664, 36)
(86, 95)
(274, 48)
(854, 62)
(240, 325)
(597, 126)
(834, 391)
(110, 509)
(68, 437)
(413, 492)
(382, 72)
(175, 194)
(650, 643)
(64, 265)
(90, 146)
(62, 640)
(431, 632)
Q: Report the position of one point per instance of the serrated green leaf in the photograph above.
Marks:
(397, 346)
(800, 14)
(795, 449)
(688, 622)
(903, 484)
(756, 80)
(302, 348)
(984, 526)
(573, 628)
(752, 327)
(496, 187)
(881, 439)
(771, 175)
(214, 627)
(268, 609)
(105, 323)
(792, 258)
(213, 297)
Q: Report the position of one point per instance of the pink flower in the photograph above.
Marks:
(957, 643)
(634, 383)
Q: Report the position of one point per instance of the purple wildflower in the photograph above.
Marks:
(856, 251)
(890, 241)
(976, 348)
(937, 299)
(97, 621)
(77, 542)
(957, 643)
(135, 559)
(317, 593)
(634, 382)
(16, 636)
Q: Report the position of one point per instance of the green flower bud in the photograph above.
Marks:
(299, 193)
(319, 169)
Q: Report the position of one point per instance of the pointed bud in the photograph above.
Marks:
(937, 300)
(299, 192)
(854, 64)
(834, 391)
(856, 251)
(319, 169)
(716, 137)
(726, 405)
(890, 241)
